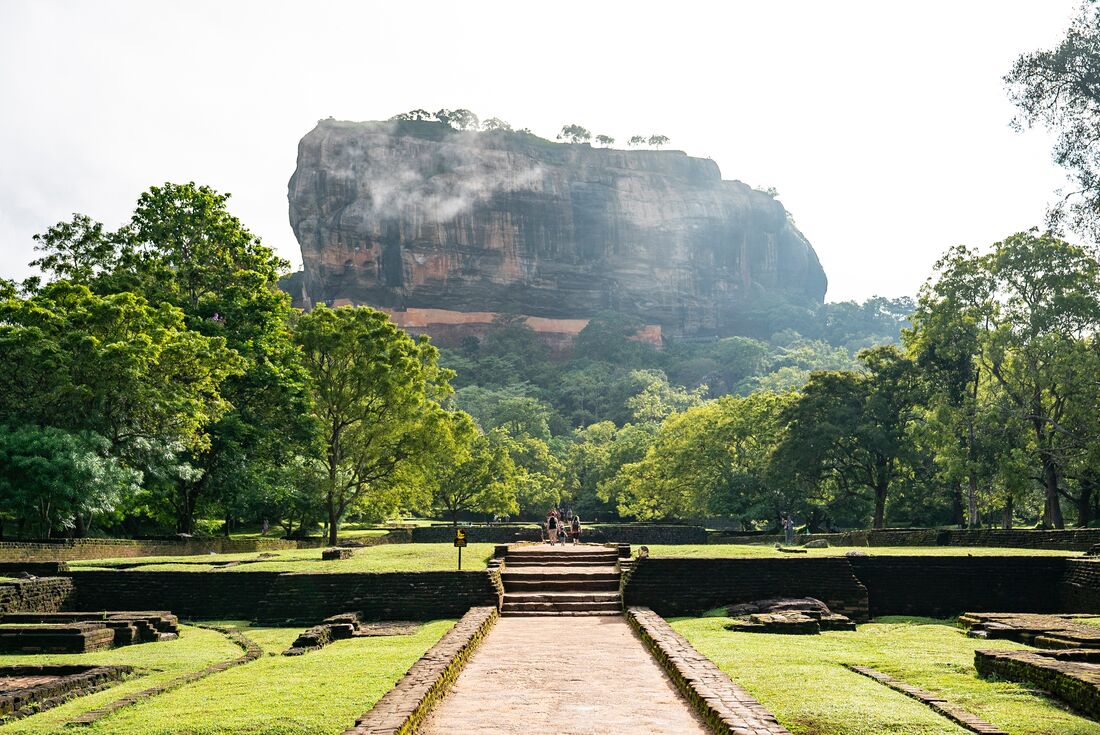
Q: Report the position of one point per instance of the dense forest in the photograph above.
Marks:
(157, 380)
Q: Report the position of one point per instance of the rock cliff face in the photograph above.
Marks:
(418, 218)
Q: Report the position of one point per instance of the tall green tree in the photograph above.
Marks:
(60, 480)
(711, 459)
(847, 432)
(184, 247)
(374, 392)
(474, 472)
(1059, 88)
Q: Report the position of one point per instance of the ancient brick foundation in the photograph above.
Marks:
(104, 548)
(44, 594)
(949, 585)
(687, 586)
(870, 585)
(50, 685)
(1078, 539)
(310, 598)
(1068, 675)
(1080, 586)
(277, 598)
(625, 533)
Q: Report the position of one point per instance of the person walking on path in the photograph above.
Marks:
(576, 526)
(552, 528)
(788, 530)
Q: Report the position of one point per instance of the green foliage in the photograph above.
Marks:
(473, 472)
(847, 432)
(658, 140)
(374, 393)
(711, 459)
(56, 479)
(113, 365)
(1058, 89)
(574, 133)
(605, 140)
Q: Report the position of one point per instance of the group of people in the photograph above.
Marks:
(562, 526)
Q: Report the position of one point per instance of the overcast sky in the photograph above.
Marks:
(884, 125)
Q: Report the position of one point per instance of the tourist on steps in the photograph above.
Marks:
(552, 528)
(576, 529)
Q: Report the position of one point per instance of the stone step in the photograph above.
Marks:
(557, 563)
(525, 558)
(542, 584)
(609, 605)
(541, 614)
(552, 574)
(563, 596)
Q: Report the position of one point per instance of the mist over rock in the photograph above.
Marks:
(446, 226)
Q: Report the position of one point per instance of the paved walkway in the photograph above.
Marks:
(601, 681)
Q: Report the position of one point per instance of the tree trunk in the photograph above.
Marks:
(1084, 505)
(1052, 512)
(973, 519)
(226, 525)
(957, 516)
(79, 531)
(1006, 519)
(880, 507)
(332, 530)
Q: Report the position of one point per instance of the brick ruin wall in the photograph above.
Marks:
(1077, 539)
(45, 594)
(687, 586)
(948, 585)
(625, 533)
(874, 586)
(1079, 589)
(275, 597)
(103, 548)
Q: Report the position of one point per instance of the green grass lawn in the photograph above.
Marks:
(385, 558)
(769, 550)
(320, 692)
(802, 681)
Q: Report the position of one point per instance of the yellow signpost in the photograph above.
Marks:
(460, 544)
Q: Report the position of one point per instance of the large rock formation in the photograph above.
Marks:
(446, 227)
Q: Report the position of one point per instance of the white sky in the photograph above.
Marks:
(883, 125)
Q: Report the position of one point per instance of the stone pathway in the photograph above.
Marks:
(565, 675)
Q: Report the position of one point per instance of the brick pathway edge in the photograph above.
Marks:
(726, 707)
(401, 710)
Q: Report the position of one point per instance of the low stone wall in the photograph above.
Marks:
(45, 594)
(1079, 539)
(193, 595)
(1068, 675)
(310, 598)
(102, 548)
(1079, 590)
(65, 682)
(644, 534)
(869, 585)
(725, 707)
(949, 585)
(37, 568)
(403, 708)
(474, 534)
(277, 598)
(689, 586)
(600, 533)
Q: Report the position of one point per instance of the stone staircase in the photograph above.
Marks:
(546, 580)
